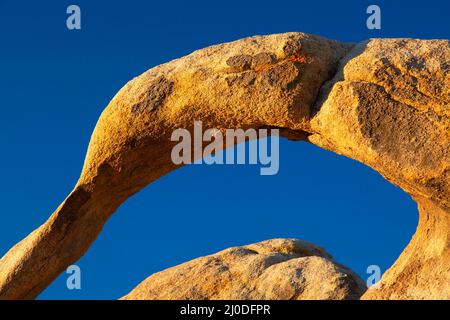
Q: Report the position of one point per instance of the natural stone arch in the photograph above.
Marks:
(386, 105)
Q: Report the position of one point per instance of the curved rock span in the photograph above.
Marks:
(287, 269)
(383, 102)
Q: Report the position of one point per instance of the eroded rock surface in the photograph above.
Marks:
(384, 102)
(388, 107)
(279, 269)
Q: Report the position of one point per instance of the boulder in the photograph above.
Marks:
(278, 269)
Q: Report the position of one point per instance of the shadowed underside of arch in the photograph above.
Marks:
(383, 102)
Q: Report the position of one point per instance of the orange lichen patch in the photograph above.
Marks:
(299, 58)
(263, 67)
(295, 58)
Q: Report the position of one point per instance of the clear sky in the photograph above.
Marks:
(54, 83)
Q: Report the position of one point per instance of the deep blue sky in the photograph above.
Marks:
(54, 83)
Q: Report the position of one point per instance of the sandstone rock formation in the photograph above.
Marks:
(279, 269)
(388, 107)
(384, 102)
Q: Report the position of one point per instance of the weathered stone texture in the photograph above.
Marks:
(279, 269)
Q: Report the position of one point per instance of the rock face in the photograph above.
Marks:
(388, 107)
(384, 102)
(279, 269)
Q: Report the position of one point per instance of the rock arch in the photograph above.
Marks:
(383, 102)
